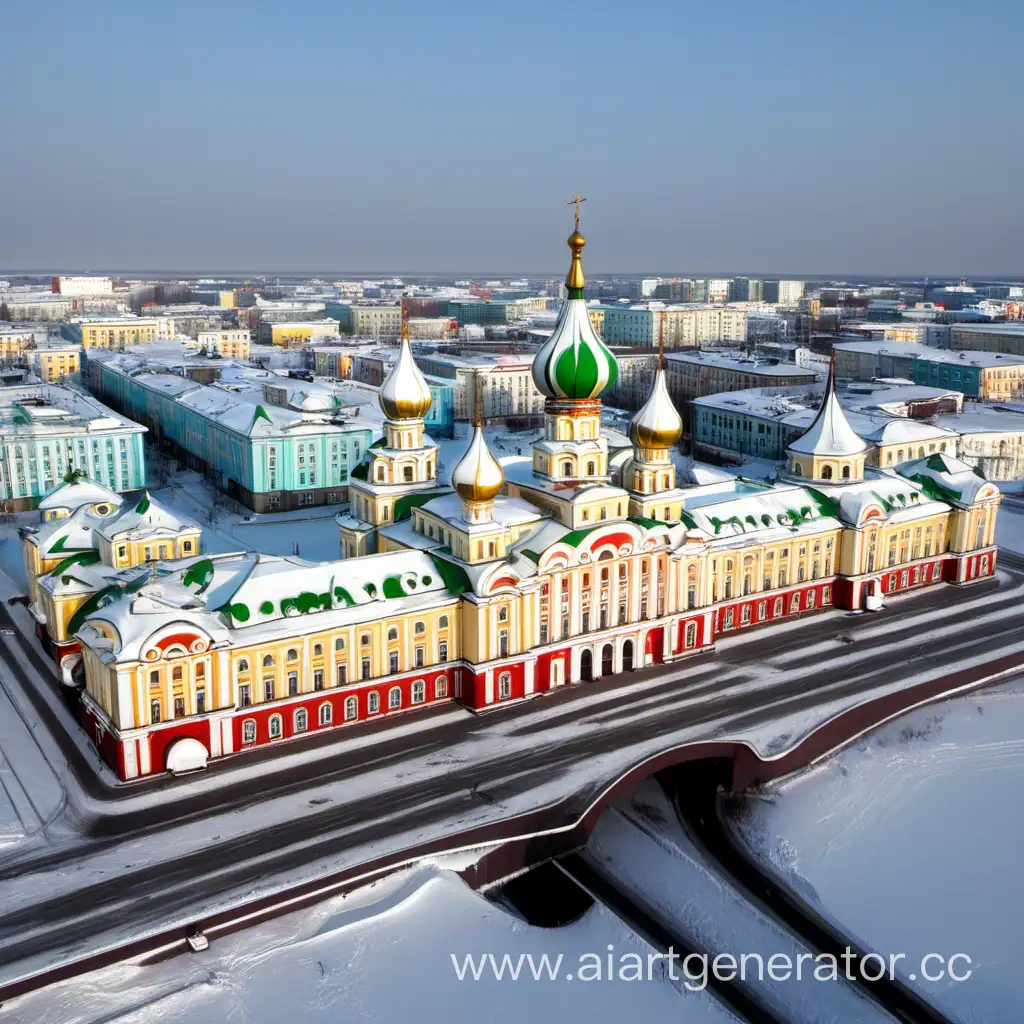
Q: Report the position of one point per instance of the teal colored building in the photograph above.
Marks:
(946, 373)
(47, 431)
(267, 457)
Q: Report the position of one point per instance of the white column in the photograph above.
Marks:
(225, 695)
(215, 738)
(489, 686)
(529, 671)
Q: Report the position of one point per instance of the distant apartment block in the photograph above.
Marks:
(74, 286)
(296, 333)
(116, 332)
(231, 343)
(366, 321)
(1005, 338)
(46, 431)
(53, 361)
(693, 375)
(986, 376)
(673, 326)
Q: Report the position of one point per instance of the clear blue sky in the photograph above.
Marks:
(781, 137)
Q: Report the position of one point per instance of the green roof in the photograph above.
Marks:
(453, 576)
(405, 504)
(361, 472)
(532, 555)
(90, 557)
(199, 574)
(143, 506)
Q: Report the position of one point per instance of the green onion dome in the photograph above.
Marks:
(574, 362)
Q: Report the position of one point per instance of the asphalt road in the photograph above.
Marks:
(790, 675)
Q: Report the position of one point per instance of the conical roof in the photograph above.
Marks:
(830, 434)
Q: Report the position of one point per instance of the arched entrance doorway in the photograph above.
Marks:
(607, 660)
(587, 666)
(627, 656)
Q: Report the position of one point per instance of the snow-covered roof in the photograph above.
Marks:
(947, 479)
(74, 495)
(144, 518)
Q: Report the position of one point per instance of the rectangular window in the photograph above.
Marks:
(365, 667)
(442, 651)
(268, 688)
(244, 696)
(200, 702)
(293, 684)
(419, 655)
(342, 674)
(318, 679)
(179, 707)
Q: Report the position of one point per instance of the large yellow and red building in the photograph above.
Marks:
(583, 559)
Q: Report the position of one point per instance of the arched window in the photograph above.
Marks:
(394, 698)
(373, 703)
(268, 661)
(797, 471)
(339, 644)
(326, 714)
(351, 709)
(300, 721)
(441, 686)
(567, 468)
(154, 711)
(846, 472)
(590, 469)
(826, 472)
(503, 614)
(318, 650)
(176, 674)
(502, 643)
(691, 634)
(504, 686)
(419, 691)
(418, 627)
(243, 665)
(364, 638)
(275, 727)
(249, 731)
(292, 654)
(442, 622)
(380, 473)
(393, 633)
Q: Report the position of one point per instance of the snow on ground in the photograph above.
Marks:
(382, 954)
(910, 840)
(641, 844)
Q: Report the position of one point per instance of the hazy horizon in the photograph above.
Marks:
(797, 136)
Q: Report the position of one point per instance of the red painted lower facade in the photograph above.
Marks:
(588, 656)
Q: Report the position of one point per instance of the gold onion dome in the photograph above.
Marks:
(405, 395)
(574, 362)
(478, 477)
(657, 424)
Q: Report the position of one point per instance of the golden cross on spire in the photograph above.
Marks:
(576, 202)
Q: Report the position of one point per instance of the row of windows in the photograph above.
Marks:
(325, 714)
(729, 619)
(365, 640)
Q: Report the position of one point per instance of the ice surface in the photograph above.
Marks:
(911, 841)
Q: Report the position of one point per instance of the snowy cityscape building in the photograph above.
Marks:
(583, 559)
(47, 431)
